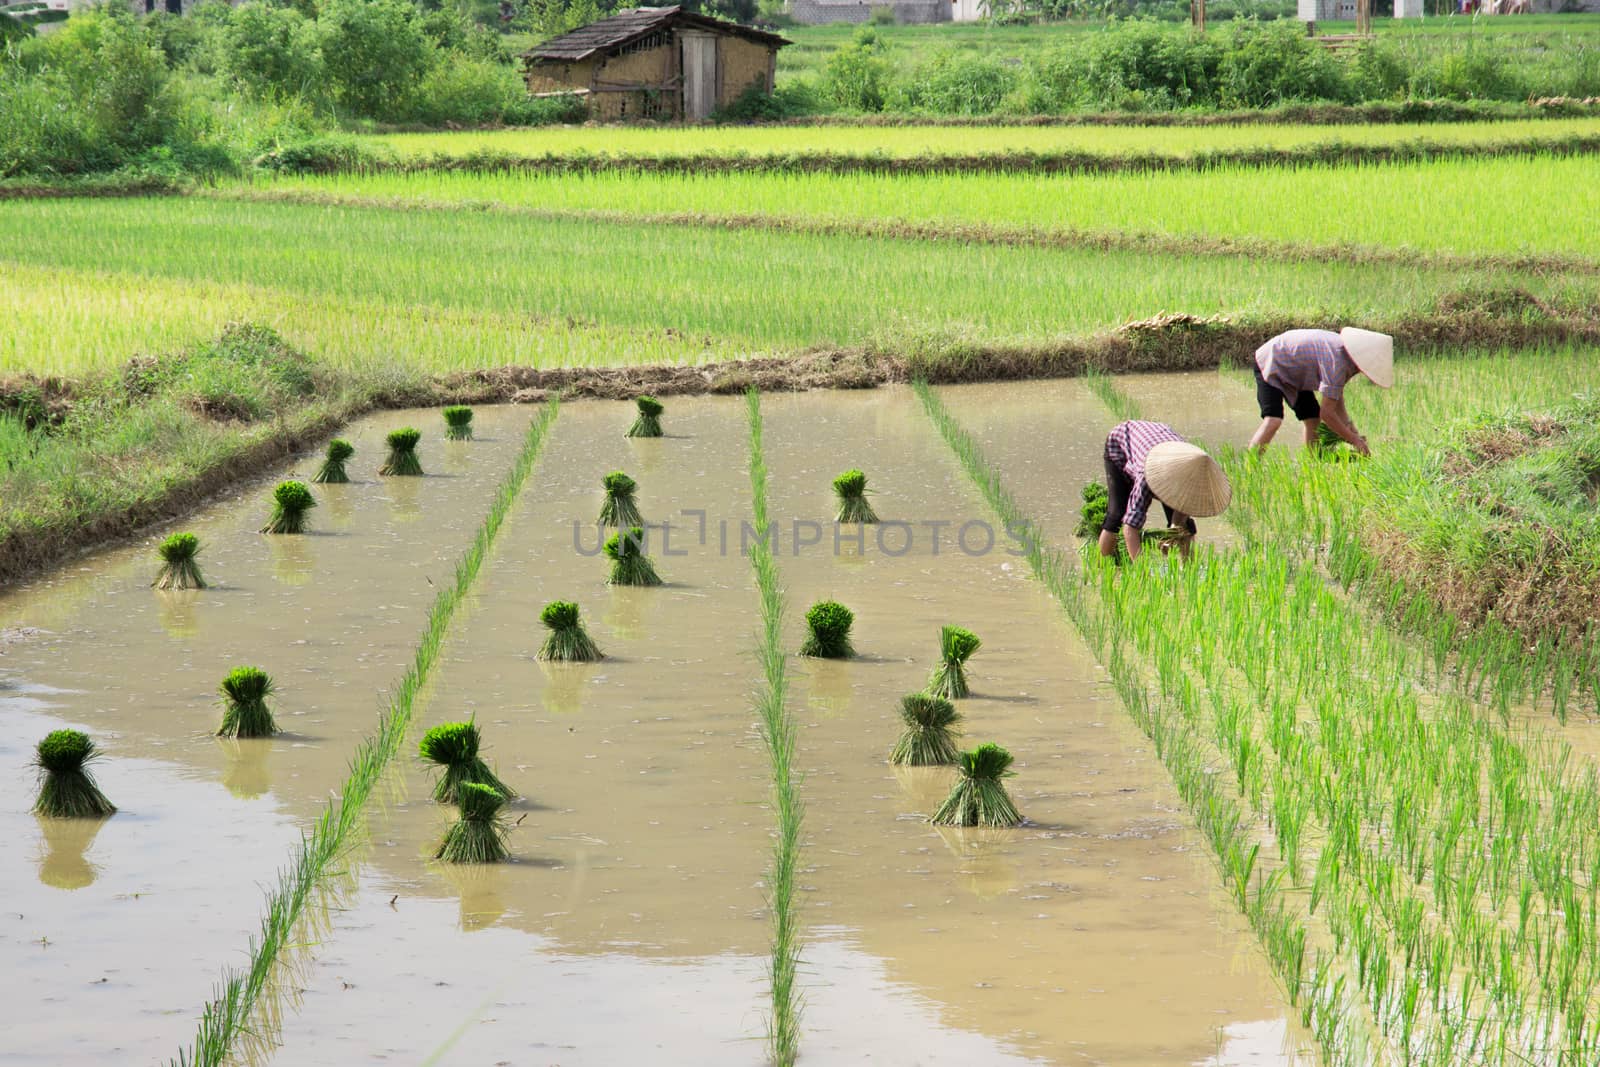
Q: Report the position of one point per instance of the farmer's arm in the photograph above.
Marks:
(1338, 420)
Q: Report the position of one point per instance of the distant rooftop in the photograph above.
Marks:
(630, 25)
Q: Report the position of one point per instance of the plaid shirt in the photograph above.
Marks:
(1306, 361)
(1127, 446)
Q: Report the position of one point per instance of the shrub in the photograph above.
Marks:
(953, 83)
(468, 92)
(856, 77)
(1264, 66)
(272, 52)
(376, 56)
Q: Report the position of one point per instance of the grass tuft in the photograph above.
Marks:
(648, 424)
(67, 789)
(828, 623)
(619, 509)
(332, 471)
(402, 461)
(851, 489)
(629, 564)
(244, 704)
(454, 747)
(978, 797)
(929, 737)
(178, 568)
(458, 423)
(949, 678)
(290, 502)
(567, 642)
(479, 835)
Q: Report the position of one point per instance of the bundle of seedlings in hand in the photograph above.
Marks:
(619, 510)
(458, 423)
(978, 798)
(929, 738)
(1093, 515)
(67, 790)
(290, 502)
(568, 642)
(648, 424)
(244, 704)
(1331, 448)
(454, 746)
(851, 489)
(402, 453)
(629, 564)
(332, 471)
(178, 568)
(949, 678)
(479, 835)
(829, 624)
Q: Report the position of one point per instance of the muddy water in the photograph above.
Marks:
(630, 928)
(1211, 408)
(1095, 933)
(113, 936)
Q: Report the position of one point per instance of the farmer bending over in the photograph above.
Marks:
(1148, 461)
(1299, 364)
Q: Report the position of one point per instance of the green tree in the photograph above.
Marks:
(376, 56)
(272, 52)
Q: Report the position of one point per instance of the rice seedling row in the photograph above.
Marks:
(629, 914)
(903, 142)
(1395, 764)
(226, 1018)
(205, 821)
(1040, 914)
(1440, 207)
(835, 291)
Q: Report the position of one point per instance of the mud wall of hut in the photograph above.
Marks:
(741, 64)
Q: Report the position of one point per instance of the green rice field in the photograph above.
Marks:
(1325, 792)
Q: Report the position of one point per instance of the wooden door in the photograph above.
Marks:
(699, 75)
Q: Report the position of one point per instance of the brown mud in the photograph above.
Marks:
(114, 937)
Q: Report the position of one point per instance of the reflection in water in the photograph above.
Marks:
(292, 558)
(405, 498)
(176, 610)
(62, 862)
(829, 690)
(480, 888)
(336, 499)
(627, 611)
(564, 686)
(247, 775)
(986, 869)
(456, 456)
(924, 787)
(646, 453)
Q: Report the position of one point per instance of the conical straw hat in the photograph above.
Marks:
(1183, 477)
(1373, 352)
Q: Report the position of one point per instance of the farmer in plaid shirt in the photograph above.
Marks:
(1297, 365)
(1148, 461)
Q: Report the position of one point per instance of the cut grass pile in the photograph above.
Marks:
(727, 286)
(900, 142)
(1461, 207)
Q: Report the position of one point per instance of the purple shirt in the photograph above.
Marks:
(1300, 361)
(1127, 446)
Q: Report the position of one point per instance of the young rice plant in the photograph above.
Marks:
(567, 641)
(949, 677)
(851, 489)
(454, 747)
(648, 422)
(244, 704)
(828, 631)
(67, 789)
(929, 736)
(978, 797)
(290, 502)
(619, 509)
(458, 423)
(332, 471)
(479, 835)
(178, 567)
(629, 564)
(402, 459)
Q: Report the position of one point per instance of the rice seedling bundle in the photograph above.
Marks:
(454, 747)
(332, 471)
(479, 835)
(290, 502)
(402, 459)
(66, 789)
(851, 489)
(648, 422)
(567, 640)
(828, 631)
(1093, 515)
(978, 797)
(619, 508)
(956, 646)
(178, 567)
(629, 564)
(244, 704)
(458, 423)
(929, 736)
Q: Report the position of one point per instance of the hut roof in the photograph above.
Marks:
(630, 25)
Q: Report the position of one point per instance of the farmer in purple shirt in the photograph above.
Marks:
(1297, 365)
(1148, 462)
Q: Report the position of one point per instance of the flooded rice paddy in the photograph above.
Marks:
(631, 925)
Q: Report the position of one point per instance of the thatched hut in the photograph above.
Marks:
(655, 63)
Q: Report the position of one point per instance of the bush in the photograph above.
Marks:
(273, 53)
(546, 110)
(470, 92)
(857, 75)
(327, 153)
(1264, 66)
(755, 104)
(376, 56)
(955, 84)
(1131, 66)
